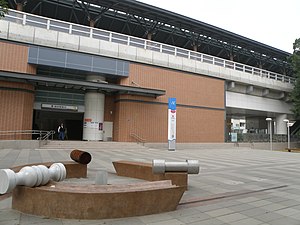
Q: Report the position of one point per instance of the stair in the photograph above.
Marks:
(91, 145)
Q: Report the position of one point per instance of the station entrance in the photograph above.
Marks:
(50, 120)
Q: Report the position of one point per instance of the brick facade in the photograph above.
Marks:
(16, 99)
(200, 107)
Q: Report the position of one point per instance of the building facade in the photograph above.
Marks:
(105, 86)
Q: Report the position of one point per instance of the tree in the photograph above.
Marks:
(3, 8)
(295, 94)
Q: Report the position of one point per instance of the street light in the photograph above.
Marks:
(270, 131)
(288, 132)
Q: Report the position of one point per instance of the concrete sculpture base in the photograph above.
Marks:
(75, 201)
(144, 171)
(71, 201)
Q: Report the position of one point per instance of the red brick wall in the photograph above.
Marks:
(16, 99)
(16, 108)
(200, 107)
(14, 58)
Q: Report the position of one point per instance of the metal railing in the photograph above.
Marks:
(137, 138)
(13, 134)
(76, 29)
(44, 139)
(248, 137)
(41, 135)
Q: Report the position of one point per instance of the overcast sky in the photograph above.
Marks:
(272, 22)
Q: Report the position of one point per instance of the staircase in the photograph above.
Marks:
(91, 145)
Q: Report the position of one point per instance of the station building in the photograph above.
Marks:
(106, 69)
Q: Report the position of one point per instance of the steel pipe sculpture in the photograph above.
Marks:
(161, 166)
(81, 156)
(31, 176)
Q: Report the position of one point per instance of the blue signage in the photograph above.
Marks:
(172, 103)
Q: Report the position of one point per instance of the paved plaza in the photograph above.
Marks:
(237, 186)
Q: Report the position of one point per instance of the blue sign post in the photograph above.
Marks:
(172, 124)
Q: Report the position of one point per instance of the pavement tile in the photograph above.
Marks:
(247, 221)
(194, 218)
(268, 216)
(260, 203)
(254, 212)
(273, 207)
(285, 220)
(208, 222)
(219, 212)
(156, 218)
(288, 211)
(232, 217)
(167, 222)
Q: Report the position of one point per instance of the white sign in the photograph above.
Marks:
(172, 123)
(60, 107)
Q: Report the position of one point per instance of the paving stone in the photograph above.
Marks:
(247, 221)
(232, 217)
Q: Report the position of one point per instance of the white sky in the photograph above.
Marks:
(272, 22)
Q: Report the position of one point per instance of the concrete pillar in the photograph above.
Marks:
(149, 36)
(195, 47)
(230, 85)
(92, 23)
(280, 124)
(94, 112)
(231, 57)
(20, 7)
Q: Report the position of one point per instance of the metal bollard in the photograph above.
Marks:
(161, 166)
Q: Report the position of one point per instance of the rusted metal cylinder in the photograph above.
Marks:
(81, 156)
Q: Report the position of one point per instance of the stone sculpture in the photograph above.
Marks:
(31, 176)
(161, 166)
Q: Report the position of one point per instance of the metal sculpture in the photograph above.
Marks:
(161, 166)
(81, 156)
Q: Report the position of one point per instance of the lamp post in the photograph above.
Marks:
(288, 132)
(270, 131)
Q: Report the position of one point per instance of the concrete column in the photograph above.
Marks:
(195, 47)
(280, 124)
(149, 36)
(94, 112)
(92, 23)
(20, 6)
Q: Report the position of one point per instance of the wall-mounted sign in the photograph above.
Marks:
(59, 107)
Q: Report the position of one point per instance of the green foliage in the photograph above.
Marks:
(295, 95)
(3, 8)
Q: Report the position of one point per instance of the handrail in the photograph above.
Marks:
(43, 136)
(23, 132)
(44, 140)
(138, 138)
(47, 135)
(77, 29)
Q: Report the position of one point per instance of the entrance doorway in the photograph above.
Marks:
(50, 120)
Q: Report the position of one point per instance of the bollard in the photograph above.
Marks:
(31, 176)
(161, 166)
(81, 156)
(101, 177)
